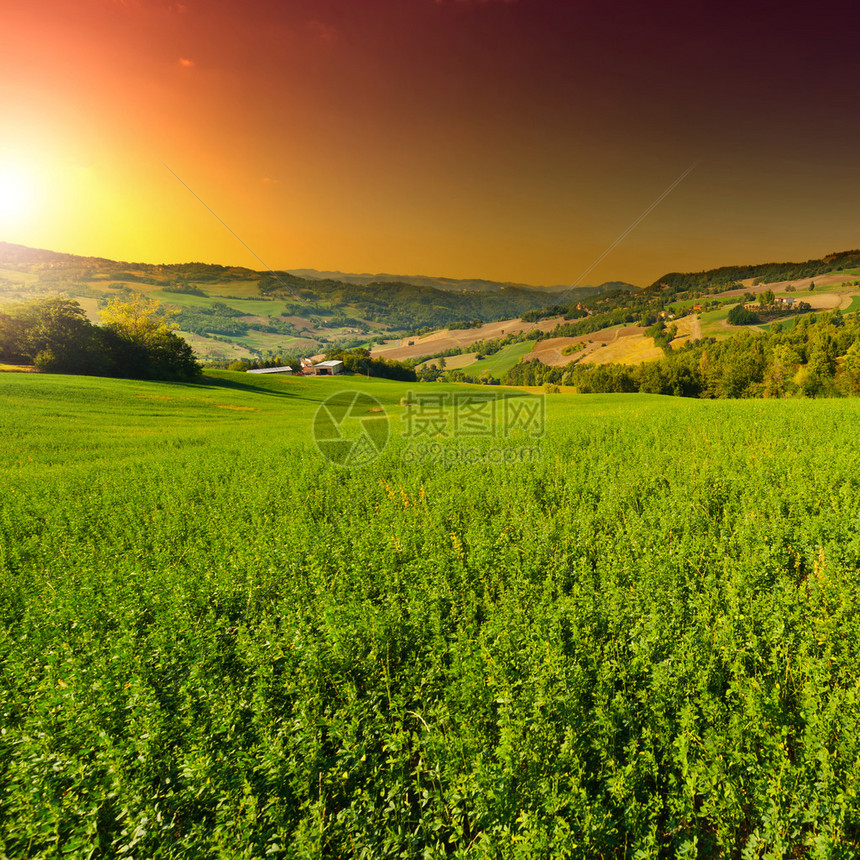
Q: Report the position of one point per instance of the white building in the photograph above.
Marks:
(328, 368)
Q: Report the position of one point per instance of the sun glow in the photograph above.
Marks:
(17, 195)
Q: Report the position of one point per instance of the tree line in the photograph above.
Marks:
(818, 356)
(136, 340)
(761, 272)
(359, 360)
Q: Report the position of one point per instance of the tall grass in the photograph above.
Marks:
(215, 644)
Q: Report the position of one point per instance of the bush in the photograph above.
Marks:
(739, 315)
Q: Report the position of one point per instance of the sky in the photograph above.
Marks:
(515, 140)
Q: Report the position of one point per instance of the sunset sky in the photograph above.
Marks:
(506, 139)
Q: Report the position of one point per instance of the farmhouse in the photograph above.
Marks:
(322, 368)
(327, 368)
(284, 369)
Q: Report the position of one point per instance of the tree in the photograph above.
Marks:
(55, 335)
(850, 377)
(139, 337)
(816, 376)
(138, 318)
(739, 315)
(11, 339)
(782, 367)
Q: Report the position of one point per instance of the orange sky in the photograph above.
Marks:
(506, 139)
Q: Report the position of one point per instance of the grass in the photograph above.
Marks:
(711, 322)
(17, 368)
(234, 288)
(17, 277)
(497, 364)
(785, 324)
(207, 348)
(683, 306)
(214, 643)
(263, 341)
(245, 306)
(452, 362)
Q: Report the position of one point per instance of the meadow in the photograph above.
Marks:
(215, 643)
(495, 365)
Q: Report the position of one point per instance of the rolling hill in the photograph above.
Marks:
(458, 284)
(616, 327)
(231, 312)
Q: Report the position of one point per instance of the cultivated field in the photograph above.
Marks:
(213, 643)
(438, 341)
(629, 345)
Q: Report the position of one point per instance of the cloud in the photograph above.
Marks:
(186, 63)
(270, 181)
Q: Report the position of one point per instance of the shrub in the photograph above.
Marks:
(739, 315)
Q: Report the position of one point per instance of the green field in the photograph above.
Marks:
(452, 362)
(497, 364)
(683, 307)
(216, 644)
(16, 276)
(711, 321)
(245, 306)
(260, 340)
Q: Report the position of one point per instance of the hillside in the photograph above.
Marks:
(618, 327)
(230, 312)
(227, 313)
(759, 272)
(459, 284)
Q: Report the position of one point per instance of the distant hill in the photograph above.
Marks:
(362, 303)
(710, 281)
(231, 311)
(763, 272)
(457, 284)
(70, 266)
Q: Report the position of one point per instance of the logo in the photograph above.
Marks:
(473, 415)
(351, 429)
